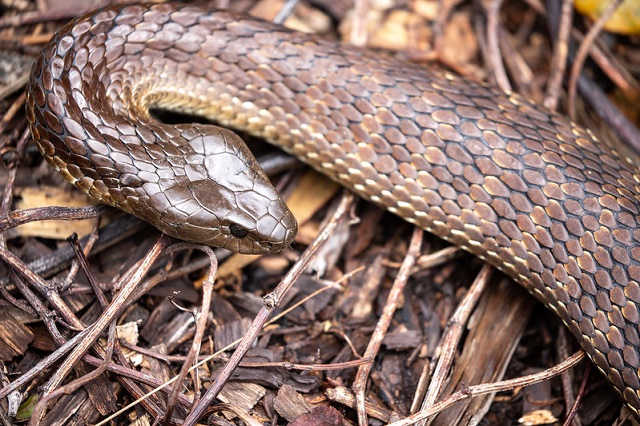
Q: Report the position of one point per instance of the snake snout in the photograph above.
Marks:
(261, 222)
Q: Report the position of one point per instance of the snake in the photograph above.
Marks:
(521, 187)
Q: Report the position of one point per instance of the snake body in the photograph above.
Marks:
(521, 187)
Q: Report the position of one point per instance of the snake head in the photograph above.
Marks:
(212, 191)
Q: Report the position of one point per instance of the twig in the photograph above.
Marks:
(566, 377)
(20, 217)
(271, 301)
(584, 50)
(7, 196)
(41, 406)
(86, 268)
(201, 323)
(126, 284)
(90, 241)
(285, 11)
(560, 55)
(452, 335)
(492, 9)
(360, 383)
(41, 285)
(576, 404)
(483, 389)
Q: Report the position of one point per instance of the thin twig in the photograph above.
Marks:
(453, 334)
(483, 389)
(86, 268)
(492, 9)
(560, 55)
(271, 301)
(573, 412)
(581, 56)
(566, 377)
(41, 406)
(127, 284)
(43, 288)
(201, 323)
(360, 383)
(20, 217)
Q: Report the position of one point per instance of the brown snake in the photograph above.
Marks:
(523, 188)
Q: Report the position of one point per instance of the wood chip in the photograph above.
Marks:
(14, 337)
(290, 404)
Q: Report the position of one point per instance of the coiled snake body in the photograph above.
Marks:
(521, 187)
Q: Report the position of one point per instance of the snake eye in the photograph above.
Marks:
(238, 231)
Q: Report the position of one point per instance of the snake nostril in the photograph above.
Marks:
(238, 231)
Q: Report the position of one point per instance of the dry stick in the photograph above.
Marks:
(536, 5)
(566, 378)
(452, 335)
(41, 285)
(518, 68)
(560, 54)
(615, 71)
(130, 373)
(44, 364)
(127, 284)
(492, 9)
(41, 406)
(437, 258)
(360, 383)
(572, 403)
(483, 389)
(86, 268)
(7, 196)
(584, 50)
(10, 113)
(285, 11)
(307, 367)
(573, 412)
(430, 260)
(20, 304)
(159, 387)
(271, 301)
(47, 317)
(81, 253)
(201, 323)
(20, 217)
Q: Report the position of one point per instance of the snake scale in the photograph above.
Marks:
(519, 186)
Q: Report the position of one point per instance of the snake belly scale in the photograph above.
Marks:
(521, 187)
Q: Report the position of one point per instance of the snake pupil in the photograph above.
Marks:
(238, 231)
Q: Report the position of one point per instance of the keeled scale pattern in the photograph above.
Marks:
(520, 187)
